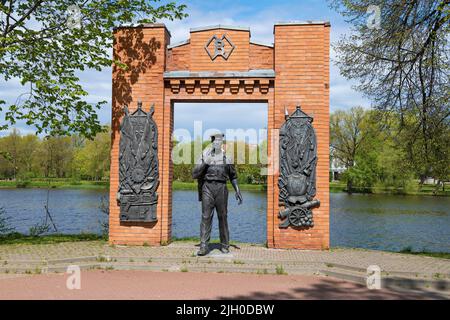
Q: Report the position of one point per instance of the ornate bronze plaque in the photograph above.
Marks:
(298, 159)
(138, 166)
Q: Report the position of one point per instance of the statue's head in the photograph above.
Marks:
(217, 141)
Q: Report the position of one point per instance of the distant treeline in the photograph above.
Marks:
(377, 149)
(250, 160)
(24, 157)
(386, 151)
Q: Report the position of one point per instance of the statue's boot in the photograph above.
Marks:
(203, 251)
(225, 249)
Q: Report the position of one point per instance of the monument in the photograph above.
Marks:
(221, 64)
(212, 171)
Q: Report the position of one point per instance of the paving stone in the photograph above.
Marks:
(246, 256)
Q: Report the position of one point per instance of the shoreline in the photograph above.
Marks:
(427, 190)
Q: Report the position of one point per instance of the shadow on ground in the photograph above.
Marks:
(334, 290)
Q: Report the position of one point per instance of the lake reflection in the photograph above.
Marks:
(367, 221)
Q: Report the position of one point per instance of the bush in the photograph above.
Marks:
(22, 183)
(39, 229)
(75, 181)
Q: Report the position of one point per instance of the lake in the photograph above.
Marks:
(382, 222)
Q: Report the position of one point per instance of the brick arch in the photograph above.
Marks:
(295, 69)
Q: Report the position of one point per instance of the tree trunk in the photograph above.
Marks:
(349, 186)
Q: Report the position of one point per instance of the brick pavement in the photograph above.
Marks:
(247, 257)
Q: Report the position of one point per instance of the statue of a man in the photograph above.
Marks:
(212, 172)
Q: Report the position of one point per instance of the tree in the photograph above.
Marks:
(402, 64)
(346, 137)
(55, 157)
(45, 43)
(11, 146)
(93, 158)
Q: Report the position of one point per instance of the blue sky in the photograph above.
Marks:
(260, 16)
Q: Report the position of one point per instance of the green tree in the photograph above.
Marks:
(43, 46)
(55, 157)
(402, 64)
(346, 137)
(11, 148)
(93, 158)
(29, 145)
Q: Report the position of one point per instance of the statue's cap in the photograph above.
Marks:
(217, 135)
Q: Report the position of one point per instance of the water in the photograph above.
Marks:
(390, 222)
(380, 222)
(247, 222)
(73, 211)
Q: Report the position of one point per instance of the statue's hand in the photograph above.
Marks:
(239, 198)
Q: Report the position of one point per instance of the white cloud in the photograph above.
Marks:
(260, 18)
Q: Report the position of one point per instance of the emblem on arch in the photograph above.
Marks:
(298, 161)
(216, 47)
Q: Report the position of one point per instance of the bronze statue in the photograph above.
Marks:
(212, 171)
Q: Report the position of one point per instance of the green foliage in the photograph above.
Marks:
(443, 255)
(249, 161)
(402, 65)
(39, 229)
(40, 47)
(364, 174)
(73, 158)
(18, 238)
(93, 159)
(22, 183)
(280, 270)
(381, 155)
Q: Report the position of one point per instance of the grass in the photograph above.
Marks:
(335, 186)
(184, 269)
(18, 238)
(102, 259)
(280, 270)
(215, 241)
(185, 239)
(263, 271)
(442, 255)
(55, 183)
(338, 186)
